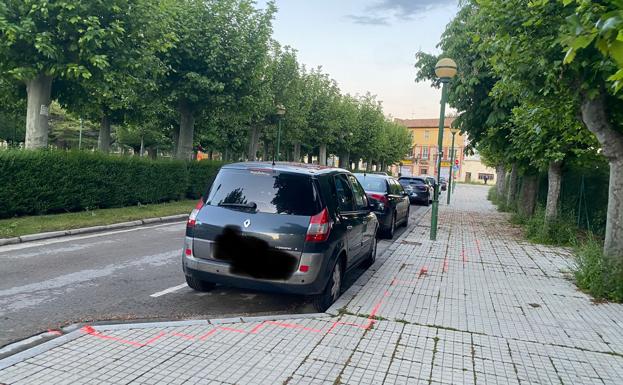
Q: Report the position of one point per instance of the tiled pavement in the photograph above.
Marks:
(480, 306)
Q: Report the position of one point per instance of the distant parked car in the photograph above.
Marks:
(444, 184)
(392, 202)
(280, 227)
(418, 188)
(431, 180)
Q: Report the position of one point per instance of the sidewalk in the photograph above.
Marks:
(479, 306)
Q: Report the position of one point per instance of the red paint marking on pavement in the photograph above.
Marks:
(463, 255)
(257, 327)
(92, 332)
(445, 265)
(478, 246)
(208, 334)
(233, 330)
(294, 326)
(423, 271)
(184, 336)
(55, 332)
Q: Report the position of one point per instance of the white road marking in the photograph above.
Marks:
(169, 290)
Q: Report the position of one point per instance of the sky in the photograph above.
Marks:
(369, 45)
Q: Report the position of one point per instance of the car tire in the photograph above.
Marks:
(371, 258)
(332, 290)
(389, 232)
(198, 284)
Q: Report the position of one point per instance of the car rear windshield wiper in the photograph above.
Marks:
(249, 205)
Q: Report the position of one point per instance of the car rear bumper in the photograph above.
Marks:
(419, 198)
(218, 272)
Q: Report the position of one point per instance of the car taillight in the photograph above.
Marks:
(379, 197)
(192, 218)
(319, 227)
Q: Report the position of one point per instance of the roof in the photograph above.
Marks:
(373, 175)
(303, 168)
(424, 123)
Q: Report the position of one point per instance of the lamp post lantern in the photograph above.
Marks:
(281, 111)
(451, 173)
(445, 69)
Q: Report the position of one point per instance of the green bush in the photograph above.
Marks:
(595, 275)
(40, 182)
(562, 232)
(201, 176)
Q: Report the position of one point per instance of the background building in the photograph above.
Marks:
(423, 156)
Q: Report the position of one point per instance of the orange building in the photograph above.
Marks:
(423, 157)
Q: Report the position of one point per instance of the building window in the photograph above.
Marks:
(426, 135)
(424, 152)
(481, 176)
(423, 171)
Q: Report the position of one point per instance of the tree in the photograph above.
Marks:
(592, 39)
(220, 49)
(42, 40)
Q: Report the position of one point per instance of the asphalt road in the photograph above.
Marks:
(132, 274)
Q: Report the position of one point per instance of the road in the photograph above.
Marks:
(132, 274)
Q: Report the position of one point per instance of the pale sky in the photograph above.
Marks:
(369, 45)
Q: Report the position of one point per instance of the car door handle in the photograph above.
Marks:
(349, 227)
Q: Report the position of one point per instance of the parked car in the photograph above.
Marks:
(431, 180)
(392, 202)
(285, 227)
(444, 183)
(418, 188)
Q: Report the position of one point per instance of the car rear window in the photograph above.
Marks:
(406, 182)
(272, 192)
(370, 183)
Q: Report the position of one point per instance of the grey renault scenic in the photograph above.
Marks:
(288, 227)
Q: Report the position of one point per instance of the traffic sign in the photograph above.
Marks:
(456, 162)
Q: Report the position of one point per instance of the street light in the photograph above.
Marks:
(445, 69)
(451, 178)
(281, 111)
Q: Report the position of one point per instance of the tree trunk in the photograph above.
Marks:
(554, 178)
(512, 186)
(595, 117)
(310, 158)
(527, 195)
(187, 128)
(39, 90)
(322, 155)
(142, 150)
(344, 160)
(500, 171)
(152, 153)
(297, 152)
(253, 142)
(103, 140)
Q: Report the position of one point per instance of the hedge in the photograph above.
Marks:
(42, 182)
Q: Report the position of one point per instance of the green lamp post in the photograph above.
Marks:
(451, 173)
(445, 69)
(281, 111)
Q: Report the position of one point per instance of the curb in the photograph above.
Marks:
(89, 230)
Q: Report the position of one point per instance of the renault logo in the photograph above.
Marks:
(247, 223)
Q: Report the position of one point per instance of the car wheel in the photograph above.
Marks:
(332, 290)
(406, 221)
(389, 233)
(369, 261)
(198, 284)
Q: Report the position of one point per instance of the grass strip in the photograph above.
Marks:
(15, 227)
